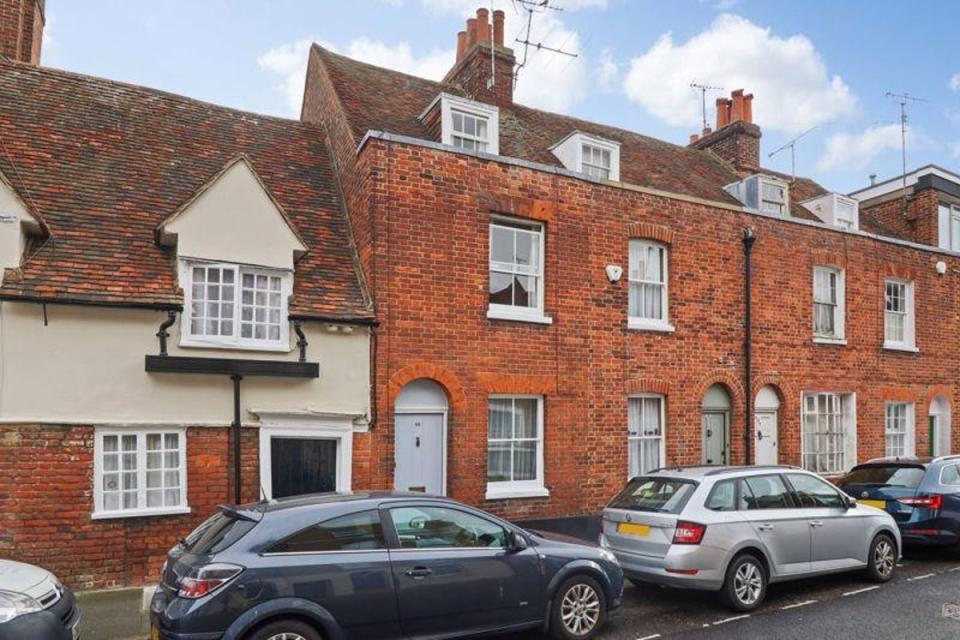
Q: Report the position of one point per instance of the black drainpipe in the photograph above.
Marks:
(748, 240)
(236, 437)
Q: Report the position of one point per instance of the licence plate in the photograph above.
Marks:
(879, 504)
(633, 529)
(154, 633)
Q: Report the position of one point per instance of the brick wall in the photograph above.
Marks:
(919, 223)
(21, 30)
(46, 498)
(737, 143)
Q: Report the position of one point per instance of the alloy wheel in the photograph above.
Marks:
(748, 583)
(580, 609)
(286, 635)
(883, 557)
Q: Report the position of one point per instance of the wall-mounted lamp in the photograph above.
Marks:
(614, 272)
(941, 267)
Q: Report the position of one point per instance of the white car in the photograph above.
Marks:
(33, 604)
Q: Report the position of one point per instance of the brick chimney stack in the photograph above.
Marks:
(736, 139)
(21, 30)
(473, 71)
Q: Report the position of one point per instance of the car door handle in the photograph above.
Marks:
(419, 572)
(765, 527)
(816, 523)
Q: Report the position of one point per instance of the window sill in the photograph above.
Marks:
(634, 324)
(513, 492)
(840, 342)
(139, 513)
(193, 343)
(900, 347)
(517, 316)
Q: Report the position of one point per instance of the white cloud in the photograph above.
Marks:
(787, 75)
(955, 82)
(855, 151)
(608, 71)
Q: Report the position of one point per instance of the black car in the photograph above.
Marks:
(922, 495)
(377, 566)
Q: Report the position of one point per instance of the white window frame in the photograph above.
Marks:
(851, 223)
(570, 152)
(234, 341)
(848, 417)
(510, 312)
(948, 219)
(650, 324)
(839, 324)
(785, 204)
(909, 320)
(663, 429)
(450, 103)
(99, 513)
(523, 488)
(909, 429)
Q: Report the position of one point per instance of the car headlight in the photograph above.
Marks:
(13, 605)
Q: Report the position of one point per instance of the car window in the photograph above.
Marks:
(722, 496)
(216, 533)
(353, 532)
(814, 492)
(664, 495)
(885, 476)
(950, 475)
(765, 492)
(437, 527)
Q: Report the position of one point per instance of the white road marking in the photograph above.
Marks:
(798, 604)
(656, 635)
(926, 575)
(864, 590)
(726, 620)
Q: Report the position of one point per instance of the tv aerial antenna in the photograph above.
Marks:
(792, 145)
(703, 88)
(903, 99)
(533, 7)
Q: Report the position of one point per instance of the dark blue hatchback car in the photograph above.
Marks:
(377, 566)
(922, 495)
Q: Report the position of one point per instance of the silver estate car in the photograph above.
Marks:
(736, 529)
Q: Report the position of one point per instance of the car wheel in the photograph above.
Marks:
(285, 630)
(579, 609)
(745, 585)
(882, 561)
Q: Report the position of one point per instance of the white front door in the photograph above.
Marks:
(766, 422)
(715, 437)
(419, 452)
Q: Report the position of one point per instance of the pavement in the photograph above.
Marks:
(912, 605)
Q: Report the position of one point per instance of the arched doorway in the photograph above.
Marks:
(766, 410)
(715, 423)
(940, 427)
(420, 438)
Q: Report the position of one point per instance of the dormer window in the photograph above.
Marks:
(596, 157)
(835, 210)
(762, 193)
(464, 123)
(773, 197)
(229, 305)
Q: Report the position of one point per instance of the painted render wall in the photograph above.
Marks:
(87, 367)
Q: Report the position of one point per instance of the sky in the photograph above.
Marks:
(818, 64)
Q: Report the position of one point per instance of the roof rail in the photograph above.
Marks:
(750, 467)
(952, 456)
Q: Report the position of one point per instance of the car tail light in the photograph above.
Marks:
(934, 502)
(689, 533)
(207, 579)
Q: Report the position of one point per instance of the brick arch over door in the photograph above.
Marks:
(729, 382)
(456, 395)
(726, 379)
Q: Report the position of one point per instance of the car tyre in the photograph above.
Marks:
(287, 629)
(745, 585)
(579, 609)
(882, 559)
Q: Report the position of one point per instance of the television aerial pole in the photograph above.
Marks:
(703, 88)
(792, 146)
(903, 99)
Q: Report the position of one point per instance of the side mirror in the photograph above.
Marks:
(849, 502)
(516, 542)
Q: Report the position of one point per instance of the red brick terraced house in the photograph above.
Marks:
(428, 286)
(181, 309)
(563, 304)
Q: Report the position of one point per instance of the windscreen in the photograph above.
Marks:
(216, 534)
(661, 495)
(886, 476)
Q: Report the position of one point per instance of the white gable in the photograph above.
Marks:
(234, 219)
(15, 220)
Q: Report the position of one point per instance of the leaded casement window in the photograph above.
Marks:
(139, 472)
(828, 303)
(645, 434)
(899, 430)
(596, 161)
(516, 270)
(898, 316)
(648, 282)
(514, 445)
(229, 305)
(828, 437)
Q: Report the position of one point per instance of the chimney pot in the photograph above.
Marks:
(498, 18)
(723, 112)
(693, 138)
(748, 107)
(483, 25)
(736, 111)
(461, 44)
(471, 32)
